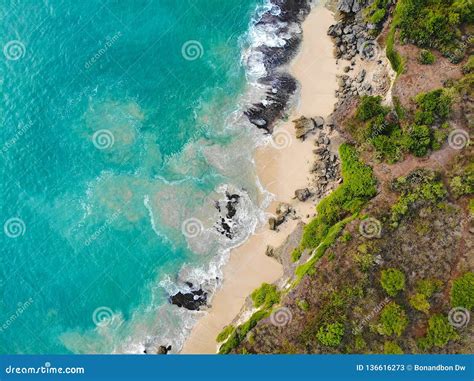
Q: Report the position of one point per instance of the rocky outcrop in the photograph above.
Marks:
(348, 6)
(302, 194)
(192, 300)
(284, 20)
(283, 211)
(280, 88)
(228, 211)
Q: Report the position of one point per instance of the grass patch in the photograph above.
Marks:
(225, 333)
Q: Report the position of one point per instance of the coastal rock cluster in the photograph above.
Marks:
(326, 167)
(283, 19)
(283, 212)
(192, 299)
(228, 212)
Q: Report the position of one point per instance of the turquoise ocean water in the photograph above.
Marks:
(120, 124)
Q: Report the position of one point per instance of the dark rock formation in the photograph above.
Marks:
(191, 300)
(302, 194)
(224, 226)
(280, 88)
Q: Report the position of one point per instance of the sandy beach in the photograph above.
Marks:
(282, 168)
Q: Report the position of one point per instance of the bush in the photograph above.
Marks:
(370, 107)
(266, 295)
(393, 320)
(426, 57)
(427, 188)
(428, 287)
(241, 332)
(420, 140)
(296, 254)
(392, 281)
(391, 348)
(434, 24)
(462, 292)
(358, 187)
(303, 304)
(330, 334)
(419, 302)
(433, 106)
(225, 333)
(440, 332)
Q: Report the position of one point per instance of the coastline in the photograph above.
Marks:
(281, 169)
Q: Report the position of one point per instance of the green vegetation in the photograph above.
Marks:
(433, 106)
(370, 107)
(463, 183)
(393, 56)
(330, 334)
(296, 254)
(266, 295)
(428, 287)
(419, 302)
(435, 24)
(426, 57)
(420, 186)
(392, 348)
(303, 304)
(440, 332)
(358, 187)
(225, 333)
(241, 331)
(393, 320)
(375, 13)
(462, 292)
(392, 281)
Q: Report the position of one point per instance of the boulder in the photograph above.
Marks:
(302, 194)
(303, 126)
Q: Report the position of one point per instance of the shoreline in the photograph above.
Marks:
(281, 169)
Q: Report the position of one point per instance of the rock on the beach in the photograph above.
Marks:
(348, 6)
(163, 350)
(318, 121)
(272, 223)
(303, 126)
(302, 194)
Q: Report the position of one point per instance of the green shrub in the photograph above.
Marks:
(377, 16)
(420, 140)
(426, 57)
(330, 334)
(462, 292)
(428, 188)
(433, 106)
(303, 304)
(392, 348)
(392, 281)
(419, 302)
(241, 331)
(469, 66)
(393, 320)
(440, 332)
(359, 186)
(370, 107)
(428, 287)
(434, 24)
(296, 254)
(266, 295)
(225, 333)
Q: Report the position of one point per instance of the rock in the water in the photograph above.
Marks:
(163, 350)
(191, 300)
(302, 194)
